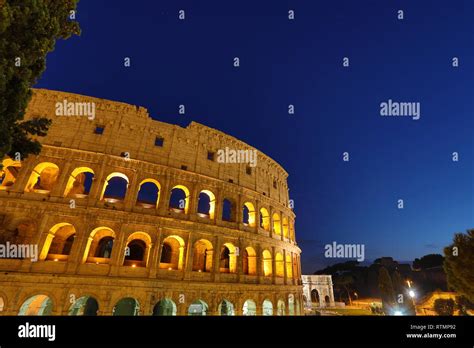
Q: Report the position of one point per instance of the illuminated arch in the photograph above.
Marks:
(228, 259)
(226, 308)
(285, 227)
(99, 245)
(37, 305)
(137, 250)
(291, 304)
(203, 255)
(228, 210)
(207, 204)
(172, 253)
(281, 307)
(249, 261)
(58, 243)
(267, 263)
(149, 193)
(43, 178)
(126, 307)
(264, 219)
(9, 173)
(76, 184)
(164, 307)
(289, 266)
(179, 199)
(249, 214)
(198, 308)
(85, 305)
(267, 307)
(276, 224)
(279, 264)
(122, 185)
(249, 308)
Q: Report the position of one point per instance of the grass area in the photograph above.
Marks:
(350, 311)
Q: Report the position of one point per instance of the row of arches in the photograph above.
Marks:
(99, 249)
(42, 305)
(45, 176)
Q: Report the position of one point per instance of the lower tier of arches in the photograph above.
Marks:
(45, 294)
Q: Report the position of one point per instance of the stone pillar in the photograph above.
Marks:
(60, 185)
(273, 265)
(165, 195)
(259, 260)
(285, 274)
(132, 193)
(188, 268)
(153, 260)
(216, 262)
(98, 180)
(118, 252)
(27, 167)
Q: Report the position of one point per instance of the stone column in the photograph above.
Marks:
(153, 260)
(60, 185)
(118, 252)
(273, 265)
(285, 274)
(216, 262)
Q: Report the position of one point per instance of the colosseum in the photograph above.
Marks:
(121, 214)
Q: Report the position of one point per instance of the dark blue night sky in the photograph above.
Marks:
(337, 109)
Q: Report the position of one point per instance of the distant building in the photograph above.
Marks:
(318, 289)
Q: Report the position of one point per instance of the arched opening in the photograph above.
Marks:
(249, 261)
(315, 296)
(249, 308)
(206, 204)
(280, 265)
(248, 213)
(126, 307)
(115, 188)
(291, 304)
(86, 305)
(99, 246)
(267, 263)
(292, 231)
(137, 250)
(281, 308)
(164, 307)
(264, 219)
(9, 173)
(276, 224)
(285, 227)
(228, 210)
(59, 242)
(2, 304)
(179, 199)
(327, 301)
(267, 307)
(172, 253)
(79, 182)
(198, 308)
(226, 308)
(228, 259)
(43, 178)
(37, 305)
(148, 194)
(203, 253)
(289, 267)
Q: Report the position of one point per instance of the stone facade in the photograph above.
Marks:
(318, 289)
(108, 246)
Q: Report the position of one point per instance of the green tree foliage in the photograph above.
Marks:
(444, 306)
(428, 261)
(459, 264)
(28, 32)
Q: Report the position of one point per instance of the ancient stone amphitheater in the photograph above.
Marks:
(132, 216)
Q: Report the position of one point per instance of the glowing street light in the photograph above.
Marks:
(397, 313)
(411, 293)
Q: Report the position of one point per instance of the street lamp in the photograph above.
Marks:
(411, 293)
